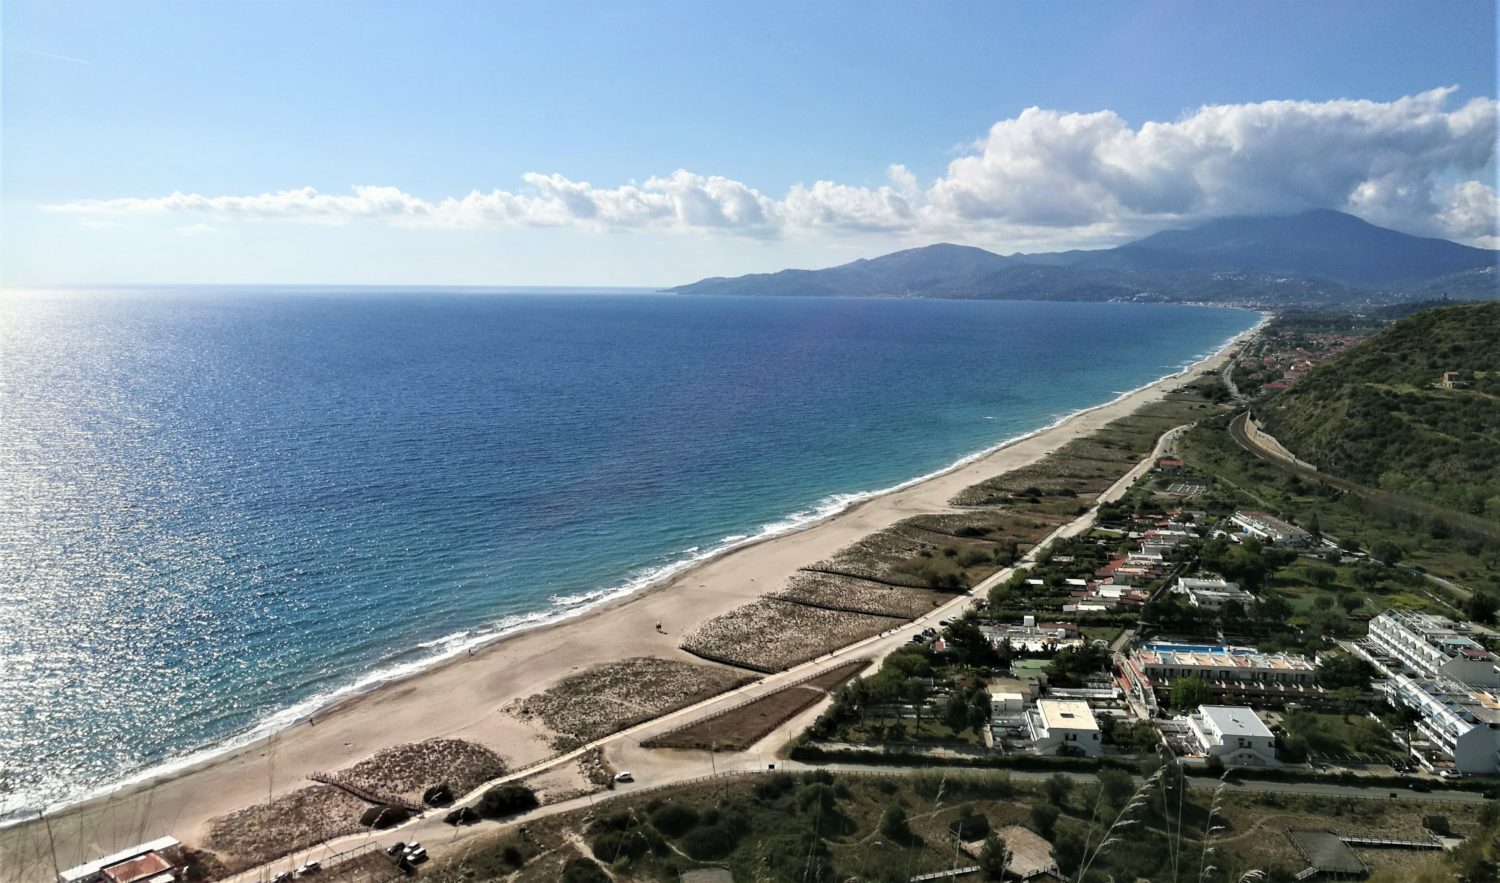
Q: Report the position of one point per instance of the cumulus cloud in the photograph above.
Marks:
(1042, 174)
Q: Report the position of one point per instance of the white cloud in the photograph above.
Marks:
(1043, 175)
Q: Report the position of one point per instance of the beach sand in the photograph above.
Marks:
(462, 697)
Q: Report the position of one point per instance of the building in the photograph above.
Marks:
(159, 861)
(1434, 646)
(1063, 726)
(1433, 666)
(1234, 734)
(1459, 725)
(1033, 637)
(1212, 594)
(1234, 673)
(1269, 529)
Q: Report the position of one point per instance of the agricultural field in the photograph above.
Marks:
(743, 726)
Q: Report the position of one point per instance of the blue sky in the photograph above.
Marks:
(653, 143)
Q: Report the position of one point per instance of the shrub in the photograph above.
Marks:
(583, 870)
(774, 787)
(513, 857)
(614, 845)
(464, 815)
(710, 842)
(382, 817)
(506, 800)
(674, 820)
(438, 795)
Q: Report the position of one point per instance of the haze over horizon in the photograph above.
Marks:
(586, 145)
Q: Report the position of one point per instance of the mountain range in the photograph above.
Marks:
(1315, 257)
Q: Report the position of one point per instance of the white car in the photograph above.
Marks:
(416, 855)
(624, 777)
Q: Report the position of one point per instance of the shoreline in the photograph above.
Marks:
(369, 702)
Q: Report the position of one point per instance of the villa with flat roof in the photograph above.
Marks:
(1064, 726)
(1234, 734)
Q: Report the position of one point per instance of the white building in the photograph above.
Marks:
(155, 862)
(1458, 722)
(1269, 529)
(1435, 646)
(1212, 594)
(1063, 726)
(1219, 664)
(1234, 734)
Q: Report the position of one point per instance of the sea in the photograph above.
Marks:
(224, 508)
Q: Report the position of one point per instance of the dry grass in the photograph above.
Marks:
(408, 770)
(258, 834)
(611, 697)
(838, 592)
(771, 635)
(741, 727)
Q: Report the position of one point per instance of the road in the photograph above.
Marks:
(1244, 440)
(657, 767)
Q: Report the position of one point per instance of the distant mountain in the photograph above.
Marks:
(1314, 257)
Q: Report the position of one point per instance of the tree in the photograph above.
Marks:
(994, 858)
(1482, 606)
(1190, 692)
(1338, 670)
(1386, 552)
(1115, 786)
(1069, 849)
(1321, 576)
(1044, 817)
(894, 826)
(1058, 788)
(969, 646)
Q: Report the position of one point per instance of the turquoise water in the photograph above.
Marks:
(221, 508)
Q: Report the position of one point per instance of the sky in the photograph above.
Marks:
(655, 143)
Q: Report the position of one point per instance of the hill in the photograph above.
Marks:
(1375, 414)
(1310, 258)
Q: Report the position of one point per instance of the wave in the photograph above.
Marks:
(568, 606)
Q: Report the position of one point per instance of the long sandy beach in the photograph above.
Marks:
(463, 697)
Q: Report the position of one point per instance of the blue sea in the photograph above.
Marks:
(222, 508)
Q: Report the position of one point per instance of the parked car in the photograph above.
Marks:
(309, 868)
(416, 856)
(282, 877)
(1420, 786)
(395, 848)
(623, 776)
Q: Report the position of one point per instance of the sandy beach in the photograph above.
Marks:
(463, 697)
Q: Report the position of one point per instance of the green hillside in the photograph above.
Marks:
(1375, 414)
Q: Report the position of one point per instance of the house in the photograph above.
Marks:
(1212, 594)
(1170, 465)
(1063, 726)
(158, 861)
(1451, 381)
(1234, 734)
(1269, 529)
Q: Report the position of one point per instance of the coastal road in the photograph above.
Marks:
(658, 767)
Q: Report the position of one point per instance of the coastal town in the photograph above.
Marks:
(1120, 605)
